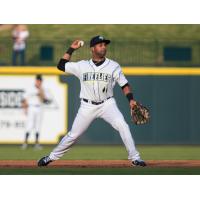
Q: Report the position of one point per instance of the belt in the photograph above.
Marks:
(37, 106)
(95, 103)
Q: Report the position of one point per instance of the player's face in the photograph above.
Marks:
(38, 83)
(100, 50)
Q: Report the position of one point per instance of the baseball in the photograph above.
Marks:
(81, 43)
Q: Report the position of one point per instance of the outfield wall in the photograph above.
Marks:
(171, 94)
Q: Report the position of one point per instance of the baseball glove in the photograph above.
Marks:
(140, 114)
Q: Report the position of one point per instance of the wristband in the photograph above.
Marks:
(70, 51)
(129, 96)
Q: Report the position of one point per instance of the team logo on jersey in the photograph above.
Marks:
(96, 76)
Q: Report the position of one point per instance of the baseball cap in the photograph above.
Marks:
(98, 39)
(38, 77)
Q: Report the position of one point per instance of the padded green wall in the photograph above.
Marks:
(174, 103)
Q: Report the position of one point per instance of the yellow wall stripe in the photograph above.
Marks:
(157, 71)
(30, 70)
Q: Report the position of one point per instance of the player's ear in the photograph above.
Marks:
(92, 49)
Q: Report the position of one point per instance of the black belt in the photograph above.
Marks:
(36, 106)
(96, 103)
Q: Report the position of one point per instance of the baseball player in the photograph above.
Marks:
(97, 78)
(32, 103)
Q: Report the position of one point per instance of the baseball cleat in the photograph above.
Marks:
(139, 162)
(44, 161)
(24, 146)
(37, 147)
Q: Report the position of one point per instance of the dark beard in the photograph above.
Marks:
(101, 55)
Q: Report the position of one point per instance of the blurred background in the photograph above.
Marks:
(132, 45)
(173, 99)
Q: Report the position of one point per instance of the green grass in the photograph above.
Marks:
(101, 171)
(104, 152)
(148, 152)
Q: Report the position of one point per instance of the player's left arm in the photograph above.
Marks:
(41, 94)
(24, 105)
(123, 83)
(44, 96)
(48, 98)
(128, 93)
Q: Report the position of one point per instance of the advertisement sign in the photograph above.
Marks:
(13, 118)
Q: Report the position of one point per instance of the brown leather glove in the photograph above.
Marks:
(140, 114)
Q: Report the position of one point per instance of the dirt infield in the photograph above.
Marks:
(98, 163)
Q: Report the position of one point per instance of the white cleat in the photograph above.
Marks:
(38, 147)
(24, 146)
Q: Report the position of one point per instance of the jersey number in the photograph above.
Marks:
(105, 90)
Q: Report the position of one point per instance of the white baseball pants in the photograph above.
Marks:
(86, 114)
(34, 118)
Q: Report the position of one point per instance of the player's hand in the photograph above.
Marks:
(132, 104)
(75, 44)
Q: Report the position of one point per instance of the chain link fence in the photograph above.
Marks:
(127, 53)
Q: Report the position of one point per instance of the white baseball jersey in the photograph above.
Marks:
(97, 82)
(32, 96)
(20, 44)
